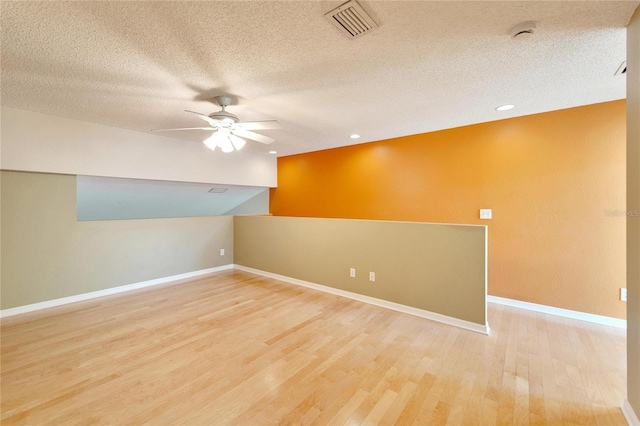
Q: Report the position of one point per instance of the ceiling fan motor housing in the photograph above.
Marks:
(224, 116)
(223, 101)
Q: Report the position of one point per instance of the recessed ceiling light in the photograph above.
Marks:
(524, 30)
(505, 107)
(273, 152)
(354, 136)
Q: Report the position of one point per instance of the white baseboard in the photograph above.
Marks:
(108, 291)
(598, 319)
(467, 325)
(628, 413)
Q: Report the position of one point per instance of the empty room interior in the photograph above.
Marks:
(319, 212)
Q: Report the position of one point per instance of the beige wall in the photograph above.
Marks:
(633, 205)
(47, 254)
(435, 267)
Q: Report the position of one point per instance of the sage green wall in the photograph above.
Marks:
(258, 204)
(108, 198)
(633, 206)
(47, 254)
(439, 268)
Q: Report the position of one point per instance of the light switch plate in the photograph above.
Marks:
(485, 213)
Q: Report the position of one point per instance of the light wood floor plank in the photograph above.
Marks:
(236, 348)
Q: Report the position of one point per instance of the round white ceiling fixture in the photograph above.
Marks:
(273, 152)
(505, 107)
(523, 30)
(354, 136)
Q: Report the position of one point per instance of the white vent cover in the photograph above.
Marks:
(217, 190)
(351, 19)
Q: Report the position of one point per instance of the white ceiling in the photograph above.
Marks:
(430, 65)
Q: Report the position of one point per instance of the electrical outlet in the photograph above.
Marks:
(352, 272)
(623, 294)
(372, 276)
(221, 252)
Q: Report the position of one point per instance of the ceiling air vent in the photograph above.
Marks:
(217, 190)
(351, 19)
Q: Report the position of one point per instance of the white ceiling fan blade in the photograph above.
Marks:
(259, 125)
(253, 136)
(183, 128)
(206, 118)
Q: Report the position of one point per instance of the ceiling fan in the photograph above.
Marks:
(228, 130)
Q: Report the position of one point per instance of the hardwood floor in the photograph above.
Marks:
(236, 348)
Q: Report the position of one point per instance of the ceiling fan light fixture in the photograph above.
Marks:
(226, 145)
(238, 143)
(211, 142)
(224, 140)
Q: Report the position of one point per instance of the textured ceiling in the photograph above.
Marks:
(430, 65)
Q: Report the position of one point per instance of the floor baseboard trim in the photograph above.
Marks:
(108, 291)
(628, 413)
(467, 325)
(598, 319)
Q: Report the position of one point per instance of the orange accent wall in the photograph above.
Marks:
(550, 179)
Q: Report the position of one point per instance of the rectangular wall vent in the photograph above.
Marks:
(217, 190)
(351, 19)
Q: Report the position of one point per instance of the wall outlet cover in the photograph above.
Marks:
(485, 213)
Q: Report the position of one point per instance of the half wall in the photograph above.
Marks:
(433, 267)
